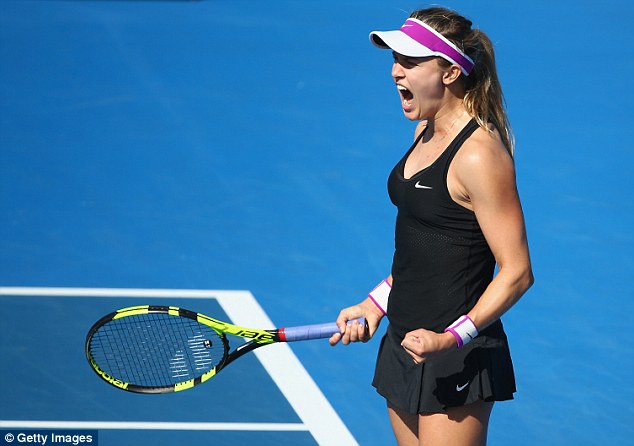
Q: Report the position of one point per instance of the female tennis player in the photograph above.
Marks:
(444, 360)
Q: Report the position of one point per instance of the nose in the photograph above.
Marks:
(397, 71)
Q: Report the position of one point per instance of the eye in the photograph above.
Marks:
(405, 61)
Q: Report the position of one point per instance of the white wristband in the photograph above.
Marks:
(380, 295)
(464, 330)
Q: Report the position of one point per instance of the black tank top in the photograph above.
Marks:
(442, 262)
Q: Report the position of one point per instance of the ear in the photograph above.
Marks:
(451, 74)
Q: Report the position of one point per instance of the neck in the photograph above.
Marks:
(446, 122)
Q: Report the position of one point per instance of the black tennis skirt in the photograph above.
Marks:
(480, 371)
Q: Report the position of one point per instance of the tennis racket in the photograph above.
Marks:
(160, 349)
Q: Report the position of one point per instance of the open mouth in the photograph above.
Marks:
(406, 95)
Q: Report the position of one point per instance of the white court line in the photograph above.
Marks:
(152, 425)
(317, 415)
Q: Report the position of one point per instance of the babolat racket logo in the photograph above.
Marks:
(114, 381)
(256, 335)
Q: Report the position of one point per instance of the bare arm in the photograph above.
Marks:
(485, 181)
(482, 178)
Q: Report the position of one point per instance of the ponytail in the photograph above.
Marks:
(483, 98)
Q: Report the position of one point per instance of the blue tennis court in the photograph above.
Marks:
(232, 158)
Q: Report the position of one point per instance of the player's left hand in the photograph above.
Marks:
(423, 344)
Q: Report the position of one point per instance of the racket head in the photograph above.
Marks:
(155, 349)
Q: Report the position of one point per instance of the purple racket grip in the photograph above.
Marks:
(317, 331)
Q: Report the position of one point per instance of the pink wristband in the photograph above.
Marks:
(464, 330)
(380, 295)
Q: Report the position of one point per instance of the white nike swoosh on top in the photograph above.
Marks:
(420, 186)
(461, 388)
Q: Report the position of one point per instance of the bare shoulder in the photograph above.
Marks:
(482, 171)
(483, 152)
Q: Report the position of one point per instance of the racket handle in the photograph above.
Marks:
(316, 331)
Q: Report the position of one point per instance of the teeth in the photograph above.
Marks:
(401, 88)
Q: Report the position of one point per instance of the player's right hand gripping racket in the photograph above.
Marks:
(159, 349)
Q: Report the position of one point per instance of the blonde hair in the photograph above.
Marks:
(483, 98)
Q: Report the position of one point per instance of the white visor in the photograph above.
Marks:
(417, 39)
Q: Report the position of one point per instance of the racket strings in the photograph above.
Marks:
(156, 349)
